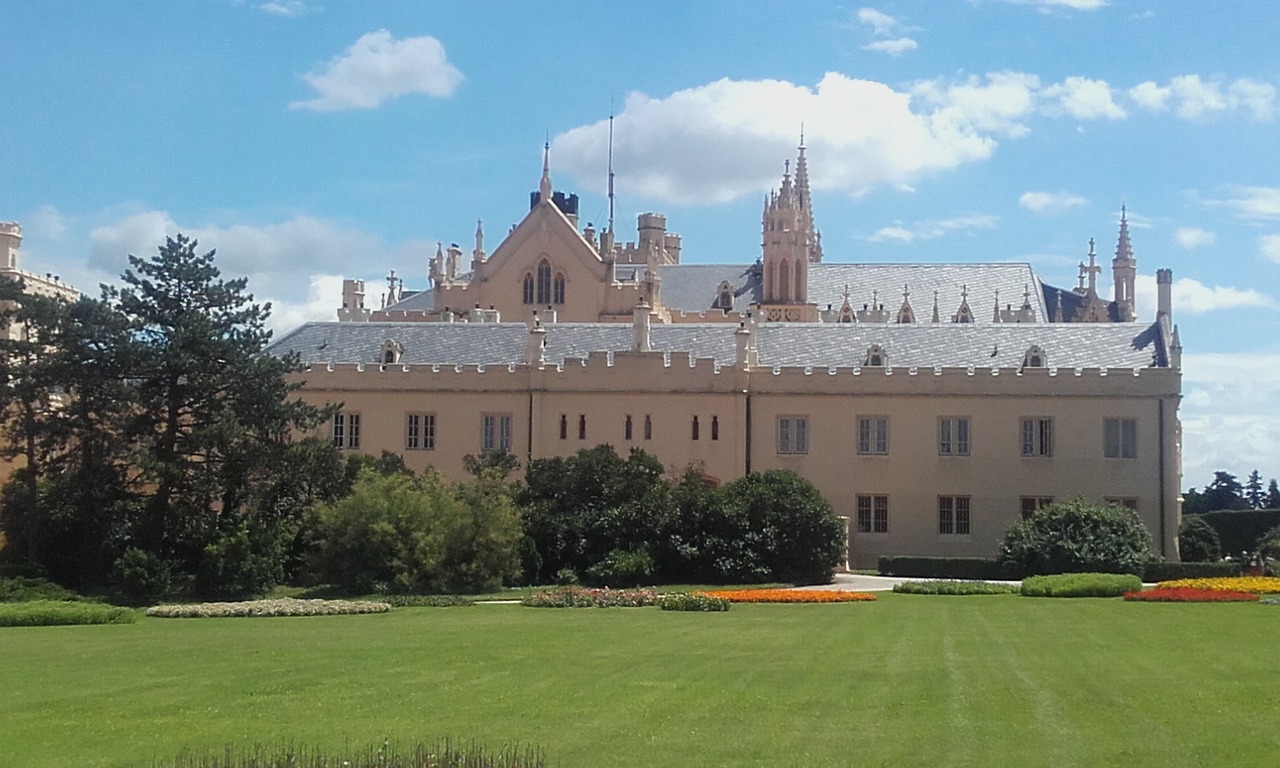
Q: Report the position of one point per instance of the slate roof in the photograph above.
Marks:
(820, 345)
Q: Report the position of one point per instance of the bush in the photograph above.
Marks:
(246, 562)
(141, 574)
(1239, 530)
(955, 588)
(1269, 543)
(1165, 571)
(577, 597)
(1075, 536)
(47, 613)
(429, 601)
(1198, 542)
(623, 568)
(692, 601)
(791, 530)
(980, 568)
(419, 535)
(1080, 585)
(20, 589)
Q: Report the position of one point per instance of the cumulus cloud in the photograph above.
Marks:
(1231, 415)
(1050, 201)
(1082, 98)
(1260, 203)
(1269, 247)
(894, 47)
(997, 103)
(378, 67)
(1192, 98)
(881, 23)
(1195, 298)
(1191, 238)
(1059, 5)
(284, 8)
(930, 230)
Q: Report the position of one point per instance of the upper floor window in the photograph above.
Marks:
(715, 427)
(1120, 438)
(564, 427)
(391, 352)
(558, 289)
(873, 435)
(696, 430)
(527, 294)
(544, 282)
(346, 430)
(627, 428)
(875, 356)
(1034, 358)
(1037, 437)
(420, 431)
(793, 434)
(648, 427)
(953, 436)
(495, 432)
(582, 426)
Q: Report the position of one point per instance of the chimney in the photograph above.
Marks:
(743, 338)
(535, 350)
(640, 328)
(1164, 294)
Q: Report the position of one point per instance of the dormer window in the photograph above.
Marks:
(391, 352)
(724, 296)
(1035, 357)
(875, 357)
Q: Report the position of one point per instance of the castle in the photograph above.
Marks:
(932, 404)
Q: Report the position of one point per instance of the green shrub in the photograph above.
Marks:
(980, 568)
(1198, 542)
(1081, 585)
(955, 588)
(623, 568)
(139, 573)
(565, 577)
(794, 533)
(692, 601)
(1076, 536)
(21, 589)
(1239, 530)
(1160, 570)
(1269, 543)
(47, 613)
(429, 601)
(248, 561)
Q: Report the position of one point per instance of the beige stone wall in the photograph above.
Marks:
(912, 475)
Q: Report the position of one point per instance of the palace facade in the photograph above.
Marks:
(932, 404)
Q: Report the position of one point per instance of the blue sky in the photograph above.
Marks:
(310, 140)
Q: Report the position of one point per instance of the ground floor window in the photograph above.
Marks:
(1029, 504)
(953, 515)
(873, 514)
(1128, 502)
(346, 430)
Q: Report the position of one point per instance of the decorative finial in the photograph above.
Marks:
(544, 186)
(906, 292)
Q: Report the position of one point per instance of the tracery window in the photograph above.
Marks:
(558, 293)
(544, 282)
(528, 288)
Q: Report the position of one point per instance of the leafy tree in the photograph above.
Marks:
(503, 461)
(1194, 502)
(1198, 542)
(1225, 492)
(1253, 491)
(1273, 495)
(795, 535)
(1077, 536)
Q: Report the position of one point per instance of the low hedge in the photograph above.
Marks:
(48, 613)
(955, 588)
(1081, 585)
(692, 601)
(428, 601)
(278, 607)
(969, 568)
(1239, 530)
(1164, 571)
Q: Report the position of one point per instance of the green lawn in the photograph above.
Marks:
(906, 681)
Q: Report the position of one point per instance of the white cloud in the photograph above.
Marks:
(1054, 5)
(1262, 203)
(1192, 98)
(1269, 247)
(997, 103)
(378, 67)
(1050, 201)
(893, 47)
(715, 142)
(48, 222)
(324, 295)
(1195, 298)
(1082, 98)
(1230, 414)
(284, 8)
(880, 23)
(930, 230)
(1191, 238)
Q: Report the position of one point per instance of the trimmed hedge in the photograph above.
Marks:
(968, 568)
(692, 601)
(48, 613)
(1081, 585)
(1239, 530)
(955, 588)
(1162, 571)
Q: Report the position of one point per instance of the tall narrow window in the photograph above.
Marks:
(695, 427)
(495, 432)
(872, 514)
(564, 426)
(1120, 438)
(346, 430)
(527, 293)
(582, 426)
(648, 427)
(784, 281)
(420, 432)
(793, 434)
(953, 515)
(715, 427)
(558, 292)
(1037, 437)
(953, 436)
(873, 435)
(627, 428)
(544, 282)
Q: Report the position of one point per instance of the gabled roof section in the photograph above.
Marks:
(543, 224)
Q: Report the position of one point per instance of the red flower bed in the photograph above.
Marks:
(1189, 595)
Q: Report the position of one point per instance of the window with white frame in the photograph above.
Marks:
(1037, 436)
(953, 515)
(872, 514)
(420, 431)
(495, 432)
(873, 435)
(953, 436)
(346, 430)
(1120, 438)
(793, 434)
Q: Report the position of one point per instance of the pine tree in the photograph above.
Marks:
(1273, 495)
(1253, 490)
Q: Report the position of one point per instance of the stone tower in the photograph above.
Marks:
(787, 245)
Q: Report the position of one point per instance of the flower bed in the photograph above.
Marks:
(692, 601)
(1258, 585)
(791, 596)
(282, 607)
(1189, 595)
(956, 588)
(580, 597)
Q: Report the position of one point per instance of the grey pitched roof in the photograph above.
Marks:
(820, 345)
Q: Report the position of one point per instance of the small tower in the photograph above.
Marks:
(353, 309)
(785, 247)
(1124, 268)
(10, 243)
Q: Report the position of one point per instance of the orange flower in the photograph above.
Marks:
(791, 596)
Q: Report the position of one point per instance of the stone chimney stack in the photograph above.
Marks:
(1164, 294)
(640, 320)
(535, 350)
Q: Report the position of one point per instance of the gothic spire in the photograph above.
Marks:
(1124, 250)
(544, 186)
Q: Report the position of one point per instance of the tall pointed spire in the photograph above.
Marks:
(544, 186)
(1124, 269)
(807, 227)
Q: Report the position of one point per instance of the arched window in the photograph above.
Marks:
(528, 288)
(784, 280)
(544, 282)
(558, 297)
(724, 296)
